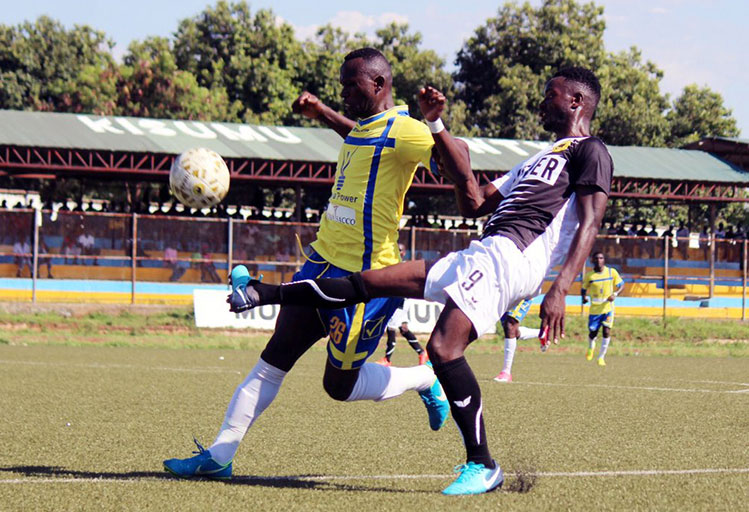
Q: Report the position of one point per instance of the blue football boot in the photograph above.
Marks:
(201, 465)
(475, 479)
(438, 408)
(243, 296)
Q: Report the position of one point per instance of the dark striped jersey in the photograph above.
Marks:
(539, 189)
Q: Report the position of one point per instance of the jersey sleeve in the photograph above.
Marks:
(509, 180)
(414, 142)
(617, 278)
(593, 166)
(501, 181)
(586, 281)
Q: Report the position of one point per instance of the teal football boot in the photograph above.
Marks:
(438, 408)
(201, 465)
(475, 479)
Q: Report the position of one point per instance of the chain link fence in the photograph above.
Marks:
(138, 248)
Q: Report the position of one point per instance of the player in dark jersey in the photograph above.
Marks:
(548, 212)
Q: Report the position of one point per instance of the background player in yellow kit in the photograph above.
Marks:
(602, 284)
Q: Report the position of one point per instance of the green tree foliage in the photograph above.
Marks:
(149, 84)
(699, 112)
(42, 64)
(632, 109)
(254, 58)
(503, 66)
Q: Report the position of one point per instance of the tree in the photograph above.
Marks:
(150, 85)
(255, 59)
(699, 112)
(503, 66)
(43, 64)
(632, 109)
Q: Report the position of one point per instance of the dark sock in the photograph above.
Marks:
(390, 344)
(411, 337)
(336, 293)
(461, 386)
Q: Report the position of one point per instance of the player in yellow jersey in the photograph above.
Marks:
(602, 284)
(359, 231)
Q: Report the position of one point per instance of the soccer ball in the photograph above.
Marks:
(199, 178)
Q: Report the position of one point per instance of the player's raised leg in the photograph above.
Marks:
(348, 377)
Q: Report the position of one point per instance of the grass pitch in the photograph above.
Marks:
(92, 405)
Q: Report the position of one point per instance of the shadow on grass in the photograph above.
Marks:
(311, 482)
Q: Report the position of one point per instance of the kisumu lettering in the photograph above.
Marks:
(342, 214)
(195, 129)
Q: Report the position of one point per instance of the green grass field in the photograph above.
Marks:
(92, 404)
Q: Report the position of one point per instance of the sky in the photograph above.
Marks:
(692, 41)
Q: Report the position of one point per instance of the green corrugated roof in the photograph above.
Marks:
(52, 130)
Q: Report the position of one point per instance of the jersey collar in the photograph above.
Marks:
(399, 110)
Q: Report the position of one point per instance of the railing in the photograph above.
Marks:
(138, 248)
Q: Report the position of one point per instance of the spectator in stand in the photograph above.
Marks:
(682, 240)
(644, 244)
(45, 258)
(69, 248)
(22, 255)
(171, 259)
(720, 233)
(207, 268)
(87, 244)
(720, 248)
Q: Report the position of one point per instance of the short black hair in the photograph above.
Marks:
(373, 57)
(596, 253)
(584, 77)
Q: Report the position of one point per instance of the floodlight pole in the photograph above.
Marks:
(743, 284)
(133, 256)
(35, 255)
(229, 252)
(665, 276)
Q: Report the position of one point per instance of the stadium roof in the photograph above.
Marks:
(730, 149)
(39, 144)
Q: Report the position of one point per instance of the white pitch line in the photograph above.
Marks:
(640, 388)
(545, 474)
(110, 366)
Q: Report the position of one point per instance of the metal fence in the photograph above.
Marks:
(92, 245)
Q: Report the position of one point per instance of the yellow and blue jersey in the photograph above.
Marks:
(518, 312)
(599, 286)
(376, 165)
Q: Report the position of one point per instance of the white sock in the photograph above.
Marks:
(591, 343)
(250, 399)
(604, 347)
(527, 333)
(377, 382)
(510, 346)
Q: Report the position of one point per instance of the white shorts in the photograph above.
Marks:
(488, 277)
(399, 316)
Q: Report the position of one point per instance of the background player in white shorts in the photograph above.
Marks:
(549, 210)
(399, 323)
(513, 332)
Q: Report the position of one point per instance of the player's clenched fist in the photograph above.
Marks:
(431, 103)
(308, 105)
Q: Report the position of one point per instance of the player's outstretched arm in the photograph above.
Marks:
(473, 200)
(310, 106)
(591, 205)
